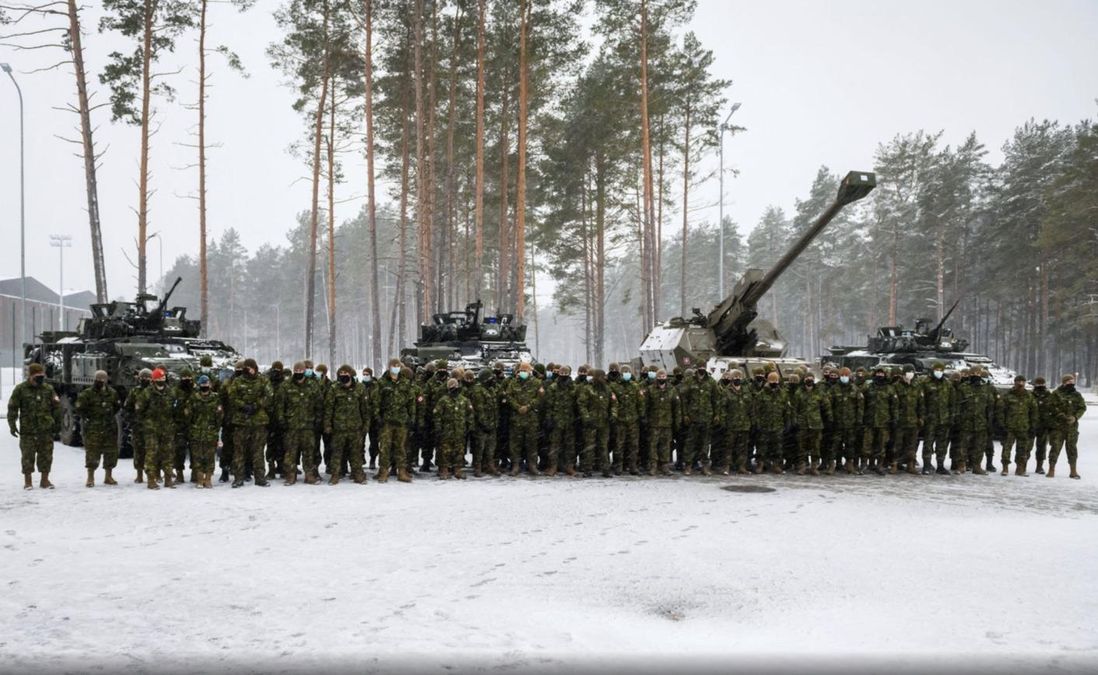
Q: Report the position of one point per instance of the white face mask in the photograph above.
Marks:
(394, 371)
(626, 376)
(938, 374)
(844, 379)
(908, 377)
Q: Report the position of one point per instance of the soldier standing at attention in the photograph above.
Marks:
(938, 404)
(346, 418)
(975, 409)
(275, 448)
(909, 419)
(627, 426)
(663, 415)
(737, 411)
(813, 415)
(847, 407)
(1069, 406)
(180, 393)
(699, 413)
(137, 429)
(772, 417)
(97, 407)
(34, 415)
(374, 431)
(228, 433)
(485, 398)
(1017, 412)
(204, 414)
(396, 408)
(320, 374)
(523, 396)
(1045, 420)
(297, 407)
(452, 415)
(155, 407)
(597, 408)
(249, 403)
(878, 418)
(560, 404)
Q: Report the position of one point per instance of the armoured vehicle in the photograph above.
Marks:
(469, 340)
(919, 348)
(731, 335)
(122, 338)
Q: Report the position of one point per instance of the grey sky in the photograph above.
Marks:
(820, 83)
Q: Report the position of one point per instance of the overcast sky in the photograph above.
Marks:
(821, 83)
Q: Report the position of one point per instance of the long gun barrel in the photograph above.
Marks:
(164, 302)
(938, 329)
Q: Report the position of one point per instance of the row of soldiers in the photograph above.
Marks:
(544, 420)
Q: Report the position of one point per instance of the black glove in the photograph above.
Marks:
(249, 409)
(14, 432)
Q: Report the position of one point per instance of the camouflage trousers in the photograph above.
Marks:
(844, 445)
(659, 447)
(202, 456)
(873, 445)
(697, 444)
(137, 442)
(484, 449)
(809, 444)
(1064, 437)
(935, 443)
(298, 445)
(1041, 444)
(626, 446)
(973, 442)
(159, 450)
(227, 437)
(182, 447)
(769, 447)
(248, 444)
(276, 447)
(905, 445)
(524, 439)
(1021, 442)
(596, 448)
(375, 433)
(347, 445)
(735, 443)
(451, 453)
(393, 439)
(100, 446)
(36, 449)
(562, 446)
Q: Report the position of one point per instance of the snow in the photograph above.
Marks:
(901, 572)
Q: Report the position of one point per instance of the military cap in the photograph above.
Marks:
(613, 367)
(1067, 378)
(1039, 382)
(598, 373)
(676, 370)
(565, 371)
(758, 371)
(661, 374)
(145, 372)
(497, 365)
(844, 371)
(405, 371)
(794, 378)
(101, 376)
(938, 365)
(250, 363)
(1019, 378)
(367, 370)
(322, 368)
(468, 376)
(277, 365)
(540, 368)
(394, 362)
(430, 367)
(626, 369)
(206, 361)
(186, 374)
(486, 375)
(736, 372)
(308, 364)
(727, 375)
(346, 368)
(299, 366)
(35, 369)
(584, 368)
(452, 383)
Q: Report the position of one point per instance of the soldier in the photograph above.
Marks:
(34, 416)
(228, 432)
(155, 407)
(975, 407)
(1046, 414)
(97, 407)
(1069, 406)
(418, 425)
(180, 393)
(699, 413)
(995, 429)
(137, 429)
(396, 406)
(878, 418)
(597, 408)
(485, 399)
(772, 417)
(847, 408)
(249, 403)
(664, 415)
(939, 403)
(434, 388)
(320, 376)
(791, 436)
(956, 452)
(452, 415)
(298, 405)
(370, 388)
(523, 397)
(346, 419)
(203, 413)
(736, 412)
(276, 449)
(630, 400)
(560, 407)
(909, 419)
(1017, 412)
(812, 411)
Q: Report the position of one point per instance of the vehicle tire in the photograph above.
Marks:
(70, 423)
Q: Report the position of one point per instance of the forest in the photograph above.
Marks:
(523, 149)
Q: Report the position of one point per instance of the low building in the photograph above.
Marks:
(43, 310)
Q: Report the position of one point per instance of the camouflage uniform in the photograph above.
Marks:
(877, 419)
(97, 409)
(939, 404)
(812, 411)
(736, 412)
(630, 400)
(523, 398)
(276, 444)
(155, 407)
(299, 408)
(699, 412)
(1069, 406)
(975, 407)
(452, 415)
(597, 409)
(847, 409)
(249, 402)
(485, 398)
(396, 410)
(773, 415)
(37, 409)
(136, 428)
(909, 418)
(180, 393)
(560, 408)
(204, 416)
(664, 415)
(346, 419)
(1046, 422)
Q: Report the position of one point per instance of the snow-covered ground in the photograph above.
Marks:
(899, 573)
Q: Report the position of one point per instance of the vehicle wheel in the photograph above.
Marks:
(70, 424)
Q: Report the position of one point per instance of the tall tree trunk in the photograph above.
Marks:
(520, 187)
(371, 199)
(405, 177)
(314, 221)
(939, 272)
(478, 262)
(423, 222)
(685, 207)
(503, 288)
(588, 277)
(893, 280)
(451, 183)
(432, 62)
(658, 271)
(91, 184)
(203, 267)
(331, 235)
(600, 256)
(143, 180)
(646, 149)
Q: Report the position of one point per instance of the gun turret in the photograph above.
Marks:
(936, 333)
(164, 301)
(730, 319)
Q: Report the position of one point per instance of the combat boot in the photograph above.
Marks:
(706, 470)
(91, 478)
(180, 477)
(334, 480)
(849, 466)
(913, 469)
(459, 472)
(291, 478)
(443, 473)
(197, 476)
(652, 470)
(990, 468)
(665, 470)
(830, 471)
(108, 479)
(1051, 470)
(169, 479)
(959, 467)
(224, 474)
(1040, 467)
(1006, 469)
(893, 468)
(45, 481)
(515, 468)
(153, 484)
(403, 476)
(359, 477)
(271, 473)
(140, 477)
(927, 468)
(815, 470)
(1074, 473)
(570, 470)
(492, 470)
(28, 484)
(310, 479)
(688, 471)
(978, 470)
(777, 469)
(382, 475)
(551, 471)
(1020, 469)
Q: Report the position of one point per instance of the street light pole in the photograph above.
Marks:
(22, 204)
(720, 217)
(160, 248)
(61, 242)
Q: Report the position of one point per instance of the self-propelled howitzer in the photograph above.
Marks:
(732, 335)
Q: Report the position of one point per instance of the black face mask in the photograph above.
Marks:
(298, 377)
(564, 379)
(662, 384)
(99, 384)
(736, 383)
(774, 385)
(39, 379)
(441, 375)
(204, 388)
(1068, 387)
(880, 379)
(613, 375)
(143, 383)
(499, 374)
(186, 385)
(760, 379)
(238, 373)
(453, 392)
(276, 377)
(344, 379)
(809, 384)
(1040, 388)
(725, 383)
(976, 380)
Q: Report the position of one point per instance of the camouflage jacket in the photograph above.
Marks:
(939, 402)
(737, 408)
(880, 406)
(1069, 406)
(36, 407)
(485, 398)
(560, 403)
(346, 409)
(1046, 409)
(1017, 410)
(812, 408)
(773, 411)
(520, 394)
(155, 409)
(249, 401)
(699, 400)
(298, 406)
(975, 407)
(452, 416)
(630, 401)
(97, 409)
(663, 407)
(596, 404)
(397, 401)
(204, 416)
(847, 406)
(909, 405)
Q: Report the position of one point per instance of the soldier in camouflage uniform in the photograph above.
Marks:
(812, 411)
(485, 399)
(396, 406)
(34, 416)
(203, 413)
(276, 448)
(370, 385)
(323, 382)
(560, 411)
(1017, 412)
(297, 407)
(98, 407)
(847, 408)
(249, 405)
(664, 416)
(956, 452)
(773, 415)
(597, 408)
(630, 400)
(228, 434)
(137, 429)
(996, 432)
(878, 418)
(910, 410)
(699, 413)
(180, 393)
(434, 388)
(1069, 406)
(523, 396)
(939, 403)
(452, 415)
(346, 419)
(736, 412)
(1045, 421)
(155, 407)
(975, 408)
